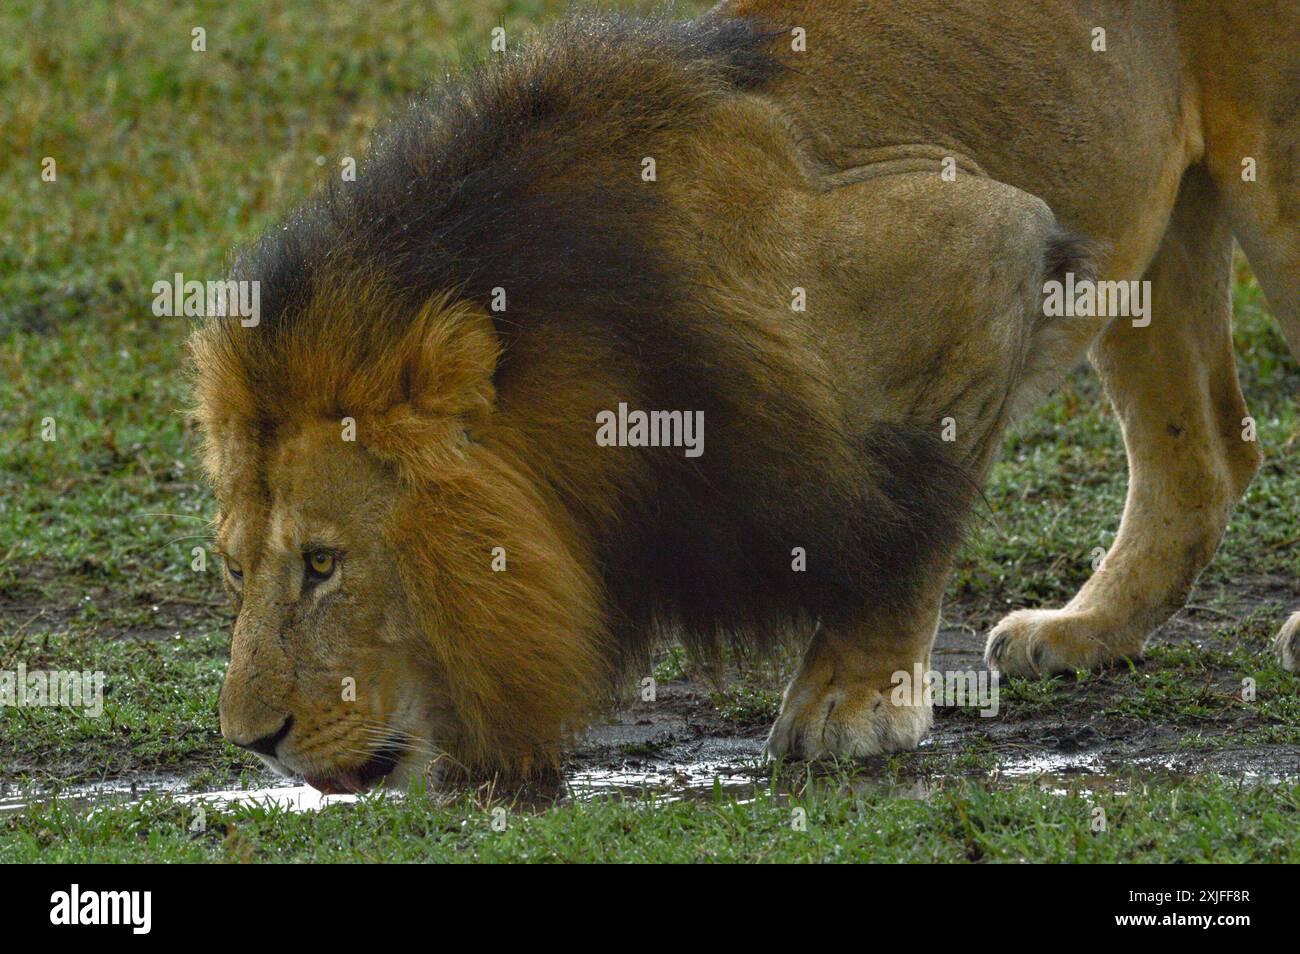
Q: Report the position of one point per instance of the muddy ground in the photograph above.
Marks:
(1177, 712)
(1106, 725)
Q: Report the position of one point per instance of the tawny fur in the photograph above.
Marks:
(776, 170)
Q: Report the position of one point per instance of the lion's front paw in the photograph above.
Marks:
(1047, 642)
(1287, 644)
(847, 722)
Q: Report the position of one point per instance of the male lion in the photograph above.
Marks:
(827, 227)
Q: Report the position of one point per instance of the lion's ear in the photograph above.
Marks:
(451, 361)
(446, 366)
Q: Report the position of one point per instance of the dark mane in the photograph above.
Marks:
(525, 174)
(521, 173)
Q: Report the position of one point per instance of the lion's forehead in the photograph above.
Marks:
(310, 487)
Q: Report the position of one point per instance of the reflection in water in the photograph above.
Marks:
(93, 795)
(661, 781)
(667, 781)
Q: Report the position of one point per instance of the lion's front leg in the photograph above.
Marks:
(842, 701)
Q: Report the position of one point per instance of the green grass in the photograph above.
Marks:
(167, 158)
(1197, 821)
(159, 711)
(1187, 686)
(744, 704)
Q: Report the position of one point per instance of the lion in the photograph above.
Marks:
(811, 243)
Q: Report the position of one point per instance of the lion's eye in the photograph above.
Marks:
(320, 564)
(234, 569)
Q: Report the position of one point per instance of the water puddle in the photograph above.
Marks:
(294, 798)
(99, 795)
(739, 781)
(14, 799)
(1075, 763)
(664, 781)
(667, 781)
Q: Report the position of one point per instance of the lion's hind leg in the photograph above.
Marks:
(1255, 139)
(1287, 644)
(1173, 385)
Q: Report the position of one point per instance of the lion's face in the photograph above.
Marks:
(329, 674)
(410, 593)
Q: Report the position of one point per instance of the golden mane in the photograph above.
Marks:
(526, 179)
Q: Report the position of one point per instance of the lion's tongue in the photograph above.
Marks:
(344, 783)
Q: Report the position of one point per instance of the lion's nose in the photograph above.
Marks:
(266, 745)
